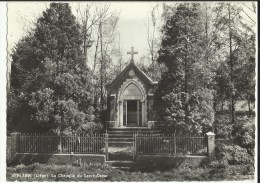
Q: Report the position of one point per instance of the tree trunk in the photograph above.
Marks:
(206, 29)
(101, 67)
(231, 69)
(186, 88)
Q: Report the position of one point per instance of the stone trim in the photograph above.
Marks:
(119, 101)
(112, 123)
(128, 82)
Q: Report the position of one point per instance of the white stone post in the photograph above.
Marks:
(143, 113)
(14, 143)
(138, 121)
(211, 143)
(120, 119)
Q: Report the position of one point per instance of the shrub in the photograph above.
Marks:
(244, 132)
(218, 164)
(91, 127)
(222, 125)
(202, 151)
(188, 166)
(249, 170)
(240, 170)
(234, 155)
(213, 162)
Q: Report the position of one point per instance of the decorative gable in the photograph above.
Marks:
(131, 71)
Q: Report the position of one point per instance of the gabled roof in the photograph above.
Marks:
(130, 66)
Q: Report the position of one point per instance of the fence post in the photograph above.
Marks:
(134, 146)
(174, 137)
(14, 143)
(106, 146)
(59, 145)
(211, 143)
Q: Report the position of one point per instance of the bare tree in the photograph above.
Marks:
(99, 30)
(154, 69)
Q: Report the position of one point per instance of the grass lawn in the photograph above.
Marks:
(98, 172)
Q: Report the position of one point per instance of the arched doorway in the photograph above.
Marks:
(131, 104)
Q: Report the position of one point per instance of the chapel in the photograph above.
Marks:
(130, 98)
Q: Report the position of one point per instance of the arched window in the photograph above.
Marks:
(132, 92)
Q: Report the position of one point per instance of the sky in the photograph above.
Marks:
(131, 25)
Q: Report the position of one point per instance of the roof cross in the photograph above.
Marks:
(132, 53)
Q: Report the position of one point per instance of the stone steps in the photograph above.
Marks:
(119, 144)
(120, 135)
(124, 135)
(132, 129)
(120, 139)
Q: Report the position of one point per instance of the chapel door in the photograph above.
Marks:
(132, 106)
(132, 115)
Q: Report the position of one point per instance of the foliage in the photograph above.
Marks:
(222, 126)
(99, 23)
(91, 127)
(152, 70)
(244, 132)
(235, 40)
(51, 77)
(218, 164)
(183, 98)
(233, 154)
(12, 106)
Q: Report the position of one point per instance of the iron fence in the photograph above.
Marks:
(80, 143)
(156, 144)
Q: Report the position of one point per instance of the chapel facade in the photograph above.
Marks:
(130, 98)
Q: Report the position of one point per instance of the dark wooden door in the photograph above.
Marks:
(132, 113)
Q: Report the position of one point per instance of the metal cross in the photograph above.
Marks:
(132, 53)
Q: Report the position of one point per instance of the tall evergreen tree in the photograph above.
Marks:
(183, 98)
(51, 77)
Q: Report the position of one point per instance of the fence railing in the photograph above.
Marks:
(155, 144)
(44, 143)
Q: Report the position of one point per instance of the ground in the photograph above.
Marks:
(43, 172)
(123, 153)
